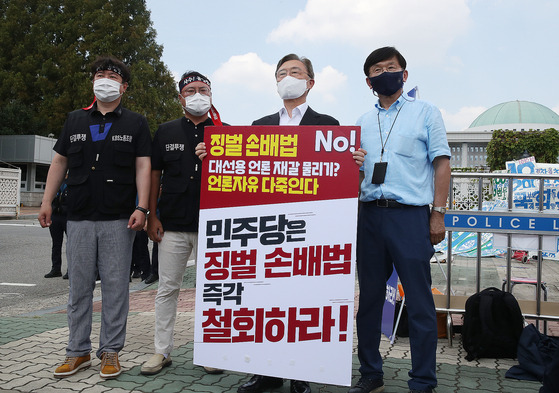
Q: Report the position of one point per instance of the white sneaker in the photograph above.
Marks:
(155, 364)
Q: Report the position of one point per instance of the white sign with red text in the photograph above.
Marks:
(276, 255)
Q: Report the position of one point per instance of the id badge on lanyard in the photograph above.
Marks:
(379, 172)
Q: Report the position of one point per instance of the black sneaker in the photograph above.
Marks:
(65, 277)
(151, 278)
(260, 383)
(53, 273)
(368, 385)
(299, 387)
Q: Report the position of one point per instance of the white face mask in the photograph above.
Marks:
(198, 104)
(290, 87)
(106, 90)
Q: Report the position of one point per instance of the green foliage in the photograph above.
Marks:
(506, 145)
(468, 169)
(16, 117)
(47, 47)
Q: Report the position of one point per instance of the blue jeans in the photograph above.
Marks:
(104, 247)
(400, 237)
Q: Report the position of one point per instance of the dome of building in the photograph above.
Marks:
(516, 115)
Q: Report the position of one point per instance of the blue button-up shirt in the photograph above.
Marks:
(418, 136)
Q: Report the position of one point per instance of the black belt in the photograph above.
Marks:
(386, 203)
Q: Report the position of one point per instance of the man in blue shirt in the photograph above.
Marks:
(406, 170)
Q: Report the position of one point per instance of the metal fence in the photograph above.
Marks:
(525, 204)
(10, 180)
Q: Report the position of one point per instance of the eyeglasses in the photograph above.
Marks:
(376, 71)
(295, 72)
(190, 91)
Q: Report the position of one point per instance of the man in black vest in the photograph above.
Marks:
(176, 229)
(106, 150)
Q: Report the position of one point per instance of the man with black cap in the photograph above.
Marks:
(176, 229)
(106, 150)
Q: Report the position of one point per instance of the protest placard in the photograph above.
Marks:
(276, 258)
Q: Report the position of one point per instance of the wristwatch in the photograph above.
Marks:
(143, 210)
(439, 209)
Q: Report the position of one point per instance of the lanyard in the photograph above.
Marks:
(90, 105)
(383, 144)
(215, 116)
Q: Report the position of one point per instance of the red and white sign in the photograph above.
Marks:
(276, 254)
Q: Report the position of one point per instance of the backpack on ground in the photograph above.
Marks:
(492, 326)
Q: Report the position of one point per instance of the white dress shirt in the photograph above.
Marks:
(297, 115)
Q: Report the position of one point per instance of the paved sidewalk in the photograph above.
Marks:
(31, 346)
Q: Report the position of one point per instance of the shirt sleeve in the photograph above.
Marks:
(156, 157)
(143, 146)
(436, 131)
(61, 145)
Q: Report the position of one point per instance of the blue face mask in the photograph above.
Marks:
(387, 83)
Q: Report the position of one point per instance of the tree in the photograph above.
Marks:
(47, 47)
(507, 145)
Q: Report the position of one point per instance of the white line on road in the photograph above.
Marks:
(37, 225)
(17, 284)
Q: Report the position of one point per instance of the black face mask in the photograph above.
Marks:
(388, 83)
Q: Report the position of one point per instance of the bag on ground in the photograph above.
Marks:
(492, 326)
(535, 352)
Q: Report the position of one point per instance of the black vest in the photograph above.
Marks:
(179, 204)
(101, 180)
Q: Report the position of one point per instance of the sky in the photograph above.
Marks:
(465, 56)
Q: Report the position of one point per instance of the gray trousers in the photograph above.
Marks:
(174, 251)
(104, 246)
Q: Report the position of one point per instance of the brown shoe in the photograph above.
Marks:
(211, 370)
(110, 367)
(72, 365)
